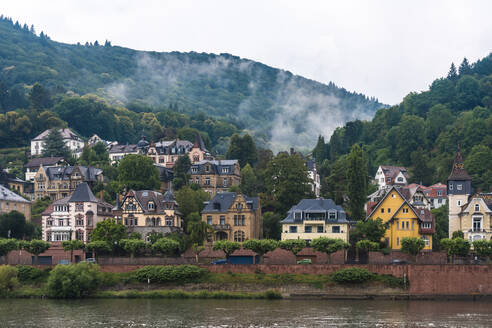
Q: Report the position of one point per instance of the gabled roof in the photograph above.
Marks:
(50, 209)
(216, 166)
(7, 195)
(384, 197)
(115, 149)
(143, 197)
(458, 172)
(66, 133)
(83, 194)
(199, 142)
(393, 171)
(223, 201)
(45, 161)
(64, 172)
(320, 205)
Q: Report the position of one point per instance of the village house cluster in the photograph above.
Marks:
(404, 208)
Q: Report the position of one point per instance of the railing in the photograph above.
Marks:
(221, 226)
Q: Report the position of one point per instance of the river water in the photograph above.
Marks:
(151, 313)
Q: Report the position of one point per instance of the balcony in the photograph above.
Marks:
(218, 227)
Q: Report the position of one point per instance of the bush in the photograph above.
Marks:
(352, 276)
(167, 274)
(27, 273)
(8, 278)
(74, 280)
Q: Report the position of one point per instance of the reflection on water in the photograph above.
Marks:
(242, 313)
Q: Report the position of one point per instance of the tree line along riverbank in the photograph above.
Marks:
(187, 281)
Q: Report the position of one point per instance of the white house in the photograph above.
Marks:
(391, 175)
(73, 142)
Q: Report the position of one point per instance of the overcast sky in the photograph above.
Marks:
(384, 49)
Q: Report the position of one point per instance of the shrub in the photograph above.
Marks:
(170, 273)
(352, 276)
(27, 273)
(367, 245)
(8, 278)
(74, 280)
(166, 246)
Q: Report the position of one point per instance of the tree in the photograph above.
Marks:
(328, 246)
(455, 247)
(320, 152)
(138, 172)
(422, 172)
(248, 181)
(109, 231)
(73, 281)
(39, 97)
(13, 225)
(357, 182)
(367, 245)
(412, 246)
(464, 67)
(458, 234)
(287, 180)
(271, 225)
(446, 245)
(228, 247)
(98, 246)
(198, 231)
(441, 216)
(181, 168)
(133, 246)
(372, 230)
(293, 245)
(36, 247)
(190, 201)
(72, 245)
(6, 246)
(243, 149)
(135, 235)
(452, 75)
(197, 249)
(97, 155)
(166, 246)
(261, 246)
(55, 146)
(483, 248)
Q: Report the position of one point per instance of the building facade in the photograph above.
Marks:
(73, 141)
(234, 217)
(58, 182)
(314, 176)
(315, 218)
(117, 152)
(199, 152)
(405, 215)
(75, 216)
(166, 153)
(147, 212)
(10, 201)
(391, 175)
(32, 167)
(216, 176)
(437, 194)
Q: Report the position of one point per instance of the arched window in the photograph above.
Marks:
(477, 207)
(239, 236)
(169, 221)
(79, 235)
(151, 206)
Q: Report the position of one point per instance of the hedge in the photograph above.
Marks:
(171, 273)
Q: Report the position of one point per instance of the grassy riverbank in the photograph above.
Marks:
(185, 282)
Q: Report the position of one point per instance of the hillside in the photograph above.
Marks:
(423, 132)
(279, 108)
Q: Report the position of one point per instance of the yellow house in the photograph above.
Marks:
(403, 219)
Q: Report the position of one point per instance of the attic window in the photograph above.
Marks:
(297, 215)
(332, 215)
(459, 187)
(477, 208)
(225, 170)
(450, 187)
(194, 169)
(151, 206)
(400, 179)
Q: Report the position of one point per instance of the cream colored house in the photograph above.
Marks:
(73, 142)
(315, 218)
(10, 201)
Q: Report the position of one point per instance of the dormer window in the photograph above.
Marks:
(400, 179)
(459, 187)
(332, 215)
(239, 206)
(439, 193)
(207, 168)
(194, 169)
(477, 208)
(297, 215)
(151, 206)
(451, 187)
(225, 170)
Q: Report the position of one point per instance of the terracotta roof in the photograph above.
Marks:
(458, 172)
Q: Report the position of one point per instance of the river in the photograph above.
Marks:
(149, 313)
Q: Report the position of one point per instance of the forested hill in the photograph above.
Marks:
(424, 131)
(277, 106)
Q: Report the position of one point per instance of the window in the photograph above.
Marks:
(308, 229)
(407, 225)
(413, 224)
(79, 234)
(79, 221)
(450, 187)
(405, 210)
(49, 222)
(197, 180)
(426, 240)
(209, 219)
(426, 225)
(151, 206)
(335, 229)
(332, 215)
(402, 225)
(89, 220)
(459, 187)
(439, 193)
(207, 181)
(400, 179)
(194, 169)
(319, 229)
(459, 203)
(477, 224)
(60, 222)
(239, 206)
(79, 207)
(297, 215)
(393, 195)
(397, 241)
(439, 201)
(222, 220)
(207, 168)
(239, 236)
(293, 229)
(389, 210)
(382, 210)
(225, 170)
(477, 207)
(169, 221)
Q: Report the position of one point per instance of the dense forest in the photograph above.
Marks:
(141, 89)
(422, 132)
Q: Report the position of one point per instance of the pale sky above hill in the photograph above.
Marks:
(384, 49)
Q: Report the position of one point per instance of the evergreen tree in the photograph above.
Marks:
(422, 172)
(138, 172)
(55, 146)
(465, 67)
(452, 75)
(319, 152)
(243, 149)
(181, 168)
(39, 97)
(357, 182)
(248, 181)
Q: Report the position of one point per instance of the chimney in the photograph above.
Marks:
(292, 151)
